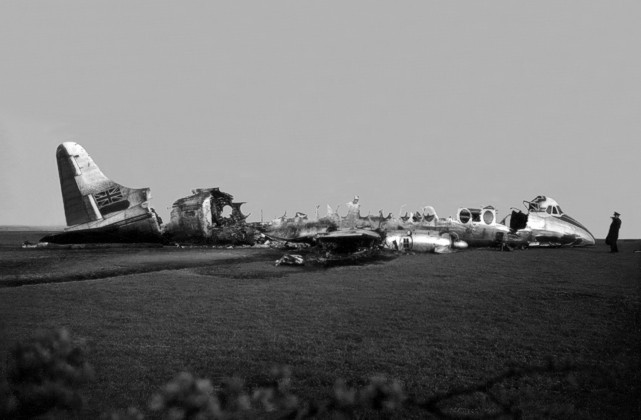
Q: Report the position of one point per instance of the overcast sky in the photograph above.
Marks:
(292, 104)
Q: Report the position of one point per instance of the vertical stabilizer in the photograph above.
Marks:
(89, 197)
(78, 174)
(97, 209)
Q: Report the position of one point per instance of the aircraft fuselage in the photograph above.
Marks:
(478, 228)
(545, 229)
(546, 224)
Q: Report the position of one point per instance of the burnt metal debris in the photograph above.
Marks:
(209, 216)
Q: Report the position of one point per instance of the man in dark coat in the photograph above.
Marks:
(613, 233)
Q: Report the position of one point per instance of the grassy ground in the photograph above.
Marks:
(433, 322)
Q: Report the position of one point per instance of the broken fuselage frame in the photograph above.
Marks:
(208, 216)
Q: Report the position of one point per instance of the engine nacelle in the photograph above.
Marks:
(426, 241)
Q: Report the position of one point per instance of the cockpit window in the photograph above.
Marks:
(549, 210)
(554, 210)
(559, 208)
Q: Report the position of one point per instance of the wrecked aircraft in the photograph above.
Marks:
(349, 241)
(333, 238)
(345, 245)
(356, 235)
(209, 216)
(354, 220)
(415, 233)
(474, 227)
(545, 224)
(97, 209)
(298, 229)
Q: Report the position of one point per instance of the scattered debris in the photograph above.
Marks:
(290, 259)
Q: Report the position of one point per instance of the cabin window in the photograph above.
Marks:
(464, 216)
(488, 217)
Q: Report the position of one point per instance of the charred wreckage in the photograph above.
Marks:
(99, 210)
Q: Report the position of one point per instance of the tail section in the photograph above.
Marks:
(98, 209)
(87, 194)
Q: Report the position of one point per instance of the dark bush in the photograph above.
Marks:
(44, 373)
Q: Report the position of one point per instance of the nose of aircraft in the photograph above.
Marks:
(586, 238)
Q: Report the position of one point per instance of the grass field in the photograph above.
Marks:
(434, 322)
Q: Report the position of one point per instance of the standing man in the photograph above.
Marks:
(613, 233)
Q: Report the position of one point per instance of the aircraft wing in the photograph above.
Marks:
(309, 238)
(351, 234)
(349, 241)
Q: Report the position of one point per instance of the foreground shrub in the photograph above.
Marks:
(187, 397)
(44, 373)
(47, 373)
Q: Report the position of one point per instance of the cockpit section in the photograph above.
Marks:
(554, 210)
(543, 204)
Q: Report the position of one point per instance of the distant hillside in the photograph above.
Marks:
(24, 228)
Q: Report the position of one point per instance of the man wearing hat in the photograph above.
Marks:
(613, 233)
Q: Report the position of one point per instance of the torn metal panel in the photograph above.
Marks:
(209, 216)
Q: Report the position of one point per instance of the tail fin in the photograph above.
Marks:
(88, 195)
